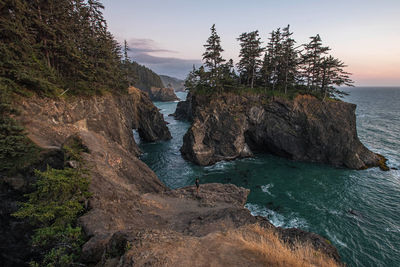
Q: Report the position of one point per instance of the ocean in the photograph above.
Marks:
(358, 211)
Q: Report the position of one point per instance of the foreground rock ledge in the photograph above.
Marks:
(134, 219)
(230, 126)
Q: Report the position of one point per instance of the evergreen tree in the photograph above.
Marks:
(126, 58)
(199, 79)
(142, 77)
(229, 79)
(289, 59)
(333, 74)
(250, 54)
(311, 61)
(16, 150)
(272, 62)
(212, 56)
(191, 79)
(49, 46)
(266, 70)
(129, 68)
(283, 67)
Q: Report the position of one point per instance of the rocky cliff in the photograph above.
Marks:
(177, 84)
(133, 219)
(162, 94)
(102, 121)
(229, 126)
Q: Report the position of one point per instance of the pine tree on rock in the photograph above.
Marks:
(283, 67)
(289, 59)
(229, 78)
(126, 58)
(191, 79)
(311, 61)
(250, 53)
(212, 56)
(333, 74)
(272, 60)
(128, 66)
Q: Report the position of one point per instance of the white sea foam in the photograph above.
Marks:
(335, 240)
(219, 165)
(265, 188)
(335, 212)
(394, 230)
(136, 136)
(297, 223)
(277, 219)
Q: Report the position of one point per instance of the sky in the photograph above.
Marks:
(168, 35)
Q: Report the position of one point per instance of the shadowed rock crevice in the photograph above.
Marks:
(265, 145)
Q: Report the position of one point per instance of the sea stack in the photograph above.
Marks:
(229, 126)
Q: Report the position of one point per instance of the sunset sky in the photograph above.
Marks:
(168, 36)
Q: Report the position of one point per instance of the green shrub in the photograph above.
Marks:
(53, 208)
(73, 149)
(16, 150)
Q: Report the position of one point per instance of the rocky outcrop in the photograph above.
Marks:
(162, 94)
(184, 109)
(229, 126)
(50, 123)
(132, 214)
(177, 84)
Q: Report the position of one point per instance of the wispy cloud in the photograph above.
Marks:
(146, 52)
(137, 46)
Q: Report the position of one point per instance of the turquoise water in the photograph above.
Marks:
(359, 211)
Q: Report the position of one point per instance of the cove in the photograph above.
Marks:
(358, 211)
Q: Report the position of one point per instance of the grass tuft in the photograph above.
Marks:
(266, 245)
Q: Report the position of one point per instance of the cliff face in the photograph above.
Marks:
(184, 109)
(106, 125)
(177, 84)
(162, 94)
(130, 207)
(304, 129)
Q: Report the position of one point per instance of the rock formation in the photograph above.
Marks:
(162, 94)
(230, 126)
(134, 219)
(184, 109)
(177, 84)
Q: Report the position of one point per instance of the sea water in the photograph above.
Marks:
(358, 211)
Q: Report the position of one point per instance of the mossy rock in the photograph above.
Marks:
(382, 163)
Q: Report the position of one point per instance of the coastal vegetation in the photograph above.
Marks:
(16, 150)
(138, 75)
(173, 82)
(281, 67)
(59, 197)
(269, 247)
(141, 76)
(52, 49)
(57, 49)
(49, 47)
(62, 49)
